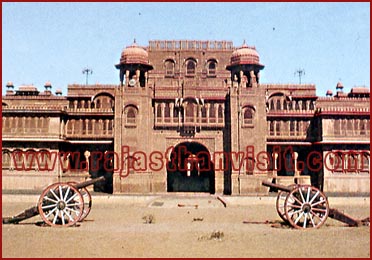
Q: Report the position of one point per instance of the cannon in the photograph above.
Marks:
(305, 206)
(60, 204)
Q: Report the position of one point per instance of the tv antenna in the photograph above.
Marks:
(300, 72)
(87, 71)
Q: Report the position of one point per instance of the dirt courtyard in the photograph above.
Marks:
(116, 228)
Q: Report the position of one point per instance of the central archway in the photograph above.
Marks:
(190, 169)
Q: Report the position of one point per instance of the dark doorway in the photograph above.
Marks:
(99, 163)
(190, 169)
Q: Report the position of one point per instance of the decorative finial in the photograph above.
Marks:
(134, 41)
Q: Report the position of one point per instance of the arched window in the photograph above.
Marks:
(169, 68)
(297, 105)
(190, 67)
(311, 105)
(338, 162)
(6, 159)
(110, 126)
(248, 116)
(204, 114)
(84, 126)
(220, 114)
(278, 105)
(272, 105)
(98, 127)
(290, 105)
(367, 126)
(212, 113)
(292, 127)
(167, 113)
(69, 126)
(104, 127)
(29, 159)
(90, 127)
(277, 127)
(365, 167)
(77, 127)
(212, 65)
(362, 127)
(44, 160)
(190, 112)
(158, 113)
(102, 100)
(131, 116)
(272, 128)
(18, 159)
(303, 104)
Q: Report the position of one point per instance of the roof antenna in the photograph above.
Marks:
(300, 72)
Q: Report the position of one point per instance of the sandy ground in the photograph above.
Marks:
(116, 228)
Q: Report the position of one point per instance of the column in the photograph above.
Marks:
(207, 106)
(162, 106)
(126, 78)
(86, 155)
(296, 171)
(171, 111)
(275, 170)
(93, 126)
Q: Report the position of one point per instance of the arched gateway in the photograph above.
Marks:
(190, 169)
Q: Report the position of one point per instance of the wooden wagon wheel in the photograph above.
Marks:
(60, 204)
(87, 201)
(306, 207)
(280, 200)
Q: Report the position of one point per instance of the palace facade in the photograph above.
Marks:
(187, 116)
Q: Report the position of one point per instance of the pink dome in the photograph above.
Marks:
(245, 55)
(134, 55)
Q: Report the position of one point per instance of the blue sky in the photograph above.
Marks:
(55, 41)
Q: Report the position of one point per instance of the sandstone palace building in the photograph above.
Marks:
(187, 116)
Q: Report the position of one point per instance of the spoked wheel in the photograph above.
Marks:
(87, 201)
(61, 204)
(280, 200)
(306, 207)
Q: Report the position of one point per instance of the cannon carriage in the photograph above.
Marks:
(60, 204)
(305, 207)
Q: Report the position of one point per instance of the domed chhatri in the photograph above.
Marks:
(245, 55)
(134, 54)
(329, 93)
(339, 86)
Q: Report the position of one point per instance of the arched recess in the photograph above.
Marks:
(103, 100)
(278, 101)
(248, 112)
(211, 67)
(190, 64)
(169, 65)
(130, 115)
(190, 169)
(6, 159)
(189, 110)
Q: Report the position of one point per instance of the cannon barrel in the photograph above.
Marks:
(277, 186)
(84, 184)
(28, 213)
